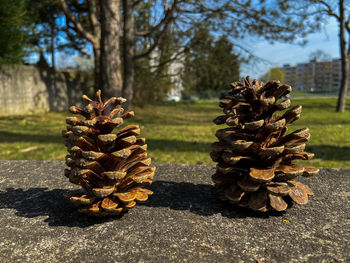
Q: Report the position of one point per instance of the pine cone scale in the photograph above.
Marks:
(277, 203)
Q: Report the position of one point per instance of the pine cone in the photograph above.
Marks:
(112, 167)
(255, 156)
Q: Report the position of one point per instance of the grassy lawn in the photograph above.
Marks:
(178, 133)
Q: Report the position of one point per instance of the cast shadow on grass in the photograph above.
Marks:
(177, 145)
(200, 199)
(180, 119)
(330, 152)
(36, 202)
(154, 144)
(7, 137)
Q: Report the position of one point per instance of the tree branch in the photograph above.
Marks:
(93, 18)
(329, 9)
(77, 25)
(168, 16)
(135, 3)
(173, 58)
(167, 19)
(347, 25)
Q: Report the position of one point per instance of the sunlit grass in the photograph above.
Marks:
(178, 133)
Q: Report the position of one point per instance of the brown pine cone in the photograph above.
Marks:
(254, 154)
(111, 166)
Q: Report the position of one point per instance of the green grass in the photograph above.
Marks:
(178, 133)
(300, 94)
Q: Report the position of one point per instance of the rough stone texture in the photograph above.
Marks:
(28, 89)
(182, 222)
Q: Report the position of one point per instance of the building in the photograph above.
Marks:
(175, 69)
(314, 76)
(290, 75)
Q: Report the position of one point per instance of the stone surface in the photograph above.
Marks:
(182, 222)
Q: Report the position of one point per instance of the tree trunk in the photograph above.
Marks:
(344, 84)
(128, 41)
(52, 46)
(97, 68)
(344, 61)
(110, 64)
(96, 30)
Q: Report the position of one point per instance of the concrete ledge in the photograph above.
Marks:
(182, 222)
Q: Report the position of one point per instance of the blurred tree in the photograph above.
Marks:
(99, 22)
(197, 75)
(143, 34)
(225, 64)
(128, 51)
(43, 15)
(235, 18)
(142, 26)
(12, 31)
(153, 62)
(319, 55)
(210, 64)
(110, 60)
(75, 41)
(275, 73)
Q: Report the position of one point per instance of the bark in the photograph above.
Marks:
(97, 68)
(128, 41)
(52, 46)
(96, 30)
(110, 63)
(344, 60)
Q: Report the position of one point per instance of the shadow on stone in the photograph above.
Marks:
(36, 202)
(200, 199)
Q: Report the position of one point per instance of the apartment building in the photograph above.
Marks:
(323, 76)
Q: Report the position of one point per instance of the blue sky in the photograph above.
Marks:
(281, 53)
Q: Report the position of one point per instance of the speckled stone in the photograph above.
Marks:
(182, 222)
